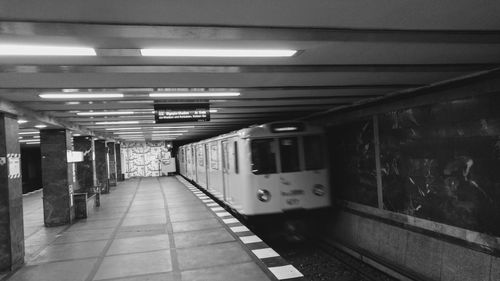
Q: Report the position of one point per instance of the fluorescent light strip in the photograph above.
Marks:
(94, 95)
(164, 132)
(41, 126)
(161, 135)
(116, 122)
(44, 50)
(100, 113)
(167, 127)
(171, 52)
(192, 94)
(22, 121)
(29, 133)
(124, 129)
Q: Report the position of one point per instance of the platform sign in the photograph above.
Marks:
(173, 113)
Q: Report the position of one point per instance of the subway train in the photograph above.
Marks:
(273, 168)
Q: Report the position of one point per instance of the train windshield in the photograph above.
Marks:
(263, 156)
(289, 154)
(313, 152)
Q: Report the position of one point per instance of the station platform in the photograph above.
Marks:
(148, 229)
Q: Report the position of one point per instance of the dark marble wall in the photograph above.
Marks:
(11, 204)
(439, 162)
(57, 177)
(101, 165)
(119, 175)
(111, 163)
(352, 155)
(85, 170)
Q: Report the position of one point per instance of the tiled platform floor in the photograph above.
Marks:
(146, 229)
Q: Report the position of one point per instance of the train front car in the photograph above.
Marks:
(287, 169)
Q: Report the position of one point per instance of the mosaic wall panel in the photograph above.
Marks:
(142, 159)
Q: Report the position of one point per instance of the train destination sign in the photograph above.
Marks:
(172, 113)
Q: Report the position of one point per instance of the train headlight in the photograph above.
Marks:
(319, 190)
(263, 195)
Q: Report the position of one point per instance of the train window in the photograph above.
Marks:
(313, 152)
(289, 151)
(263, 156)
(236, 166)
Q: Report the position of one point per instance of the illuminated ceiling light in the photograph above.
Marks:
(171, 52)
(100, 113)
(124, 129)
(171, 127)
(116, 122)
(28, 141)
(192, 94)
(213, 110)
(41, 126)
(29, 133)
(22, 121)
(125, 133)
(44, 50)
(70, 90)
(161, 135)
(76, 135)
(93, 95)
(286, 129)
(168, 131)
(36, 137)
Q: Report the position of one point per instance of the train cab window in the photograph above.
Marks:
(289, 151)
(313, 152)
(263, 156)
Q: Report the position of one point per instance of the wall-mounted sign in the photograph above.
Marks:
(14, 164)
(173, 113)
(74, 156)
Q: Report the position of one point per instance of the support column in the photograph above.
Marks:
(111, 163)
(11, 200)
(101, 165)
(57, 177)
(119, 175)
(85, 171)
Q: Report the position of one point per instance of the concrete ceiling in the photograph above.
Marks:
(350, 51)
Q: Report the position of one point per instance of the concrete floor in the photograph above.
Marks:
(146, 229)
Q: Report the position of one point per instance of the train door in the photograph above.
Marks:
(207, 166)
(226, 170)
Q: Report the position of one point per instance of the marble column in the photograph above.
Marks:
(57, 177)
(85, 170)
(101, 165)
(11, 200)
(119, 176)
(111, 163)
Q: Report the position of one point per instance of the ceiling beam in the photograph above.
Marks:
(159, 32)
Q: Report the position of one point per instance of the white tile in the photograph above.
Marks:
(237, 229)
(285, 272)
(231, 220)
(250, 239)
(265, 253)
(223, 214)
